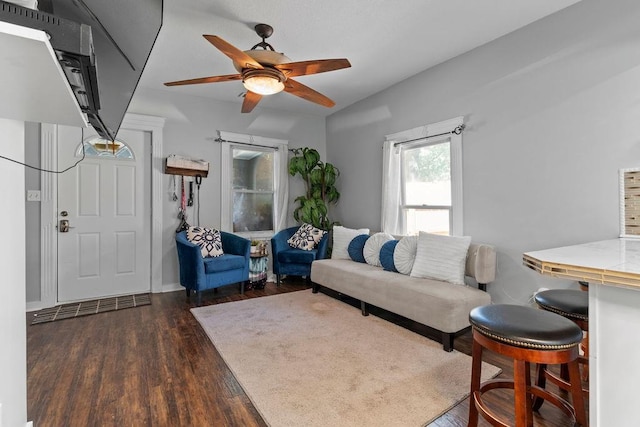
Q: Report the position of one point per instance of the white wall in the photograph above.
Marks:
(190, 129)
(552, 114)
(13, 351)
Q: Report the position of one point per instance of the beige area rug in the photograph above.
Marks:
(310, 360)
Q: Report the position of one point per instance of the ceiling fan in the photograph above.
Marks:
(266, 72)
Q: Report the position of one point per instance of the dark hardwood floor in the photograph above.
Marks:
(155, 366)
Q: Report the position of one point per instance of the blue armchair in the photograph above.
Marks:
(198, 273)
(292, 261)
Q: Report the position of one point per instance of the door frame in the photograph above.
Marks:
(49, 204)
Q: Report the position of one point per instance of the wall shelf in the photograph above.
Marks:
(170, 170)
(178, 165)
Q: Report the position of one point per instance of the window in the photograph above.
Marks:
(255, 184)
(426, 185)
(422, 180)
(100, 147)
(253, 190)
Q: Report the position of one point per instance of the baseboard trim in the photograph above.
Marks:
(172, 287)
(39, 305)
(35, 306)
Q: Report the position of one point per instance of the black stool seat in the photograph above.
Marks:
(570, 303)
(526, 327)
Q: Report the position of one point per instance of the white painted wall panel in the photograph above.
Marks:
(13, 347)
(125, 190)
(125, 252)
(89, 187)
(89, 254)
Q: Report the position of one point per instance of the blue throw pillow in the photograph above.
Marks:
(386, 255)
(356, 246)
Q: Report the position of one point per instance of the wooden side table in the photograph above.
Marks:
(258, 270)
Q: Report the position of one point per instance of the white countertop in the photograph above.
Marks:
(614, 255)
(615, 262)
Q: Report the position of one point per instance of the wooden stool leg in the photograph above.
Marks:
(585, 351)
(522, 385)
(577, 398)
(476, 366)
(541, 381)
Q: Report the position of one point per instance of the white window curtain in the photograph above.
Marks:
(281, 178)
(392, 219)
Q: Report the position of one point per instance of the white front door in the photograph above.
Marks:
(106, 200)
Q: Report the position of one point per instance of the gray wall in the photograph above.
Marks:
(190, 130)
(32, 211)
(191, 125)
(551, 113)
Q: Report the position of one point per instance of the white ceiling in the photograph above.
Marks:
(386, 41)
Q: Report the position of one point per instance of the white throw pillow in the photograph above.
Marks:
(371, 249)
(441, 257)
(342, 236)
(405, 254)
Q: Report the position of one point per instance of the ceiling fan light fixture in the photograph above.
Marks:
(263, 82)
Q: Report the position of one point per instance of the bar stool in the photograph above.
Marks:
(527, 335)
(574, 305)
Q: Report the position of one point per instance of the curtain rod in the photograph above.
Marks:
(456, 131)
(246, 143)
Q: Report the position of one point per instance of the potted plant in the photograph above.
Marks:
(256, 246)
(320, 189)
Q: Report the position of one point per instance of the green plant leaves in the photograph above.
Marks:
(296, 165)
(311, 158)
(320, 179)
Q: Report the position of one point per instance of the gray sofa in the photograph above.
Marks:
(439, 305)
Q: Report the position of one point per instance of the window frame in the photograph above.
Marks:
(82, 151)
(228, 140)
(234, 191)
(430, 134)
(404, 207)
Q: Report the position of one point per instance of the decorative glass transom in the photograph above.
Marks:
(100, 147)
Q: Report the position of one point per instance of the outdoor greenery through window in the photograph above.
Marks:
(426, 186)
(253, 189)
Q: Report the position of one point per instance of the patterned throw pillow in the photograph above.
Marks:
(306, 237)
(209, 240)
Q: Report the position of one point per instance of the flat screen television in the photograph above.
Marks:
(103, 47)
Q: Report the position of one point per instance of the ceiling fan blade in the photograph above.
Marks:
(303, 68)
(211, 79)
(251, 99)
(233, 52)
(305, 92)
